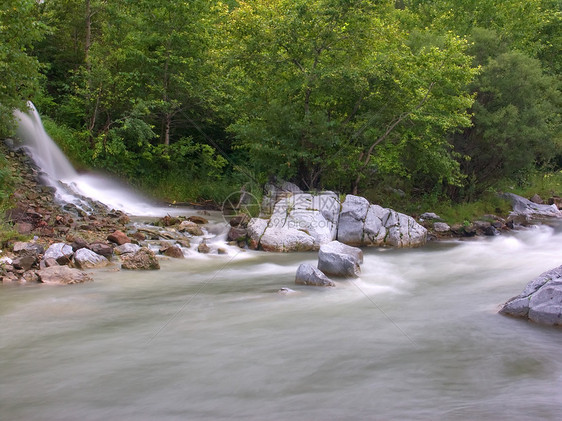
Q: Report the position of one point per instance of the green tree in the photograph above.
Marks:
(516, 120)
(20, 27)
(337, 89)
(530, 26)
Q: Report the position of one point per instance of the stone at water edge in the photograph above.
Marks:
(144, 259)
(62, 275)
(24, 262)
(87, 259)
(28, 248)
(118, 237)
(61, 252)
(341, 260)
(441, 227)
(309, 275)
(237, 234)
(127, 248)
(102, 249)
(191, 228)
(540, 301)
(174, 252)
(522, 206)
(198, 219)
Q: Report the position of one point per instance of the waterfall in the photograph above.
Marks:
(72, 187)
(43, 150)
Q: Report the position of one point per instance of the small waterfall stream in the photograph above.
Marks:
(72, 187)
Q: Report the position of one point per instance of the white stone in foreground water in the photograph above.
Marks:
(338, 259)
(540, 301)
(309, 275)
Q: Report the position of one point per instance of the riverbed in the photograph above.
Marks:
(417, 337)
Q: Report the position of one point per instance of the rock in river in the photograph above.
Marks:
(62, 275)
(540, 301)
(87, 259)
(309, 275)
(144, 259)
(338, 259)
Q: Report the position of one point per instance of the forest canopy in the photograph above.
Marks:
(192, 98)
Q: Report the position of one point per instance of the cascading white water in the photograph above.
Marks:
(45, 152)
(71, 186)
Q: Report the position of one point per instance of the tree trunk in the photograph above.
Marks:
(167, 126)
(88, 39)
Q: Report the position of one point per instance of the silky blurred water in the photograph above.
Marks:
(417, 337)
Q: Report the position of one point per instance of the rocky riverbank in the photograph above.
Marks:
(56, 243)
(50, 234)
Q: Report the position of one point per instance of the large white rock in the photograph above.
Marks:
(362, 224)
(299, 222)
(286, 240)
(404, 231)
(374, 230)
(302, 221)
(352, 220)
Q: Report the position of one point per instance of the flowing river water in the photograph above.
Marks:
(210, 338)
(417, 337)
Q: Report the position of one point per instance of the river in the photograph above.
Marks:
(417, 337)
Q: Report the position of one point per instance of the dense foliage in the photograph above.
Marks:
(190, 99)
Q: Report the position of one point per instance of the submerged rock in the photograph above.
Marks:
(309, 275)
(540, 301)
(203, 248)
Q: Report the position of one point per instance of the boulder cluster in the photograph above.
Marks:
(304, 222)
(138, 250)
(335, 260)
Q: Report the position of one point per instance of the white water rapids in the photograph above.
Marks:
(417, 337)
